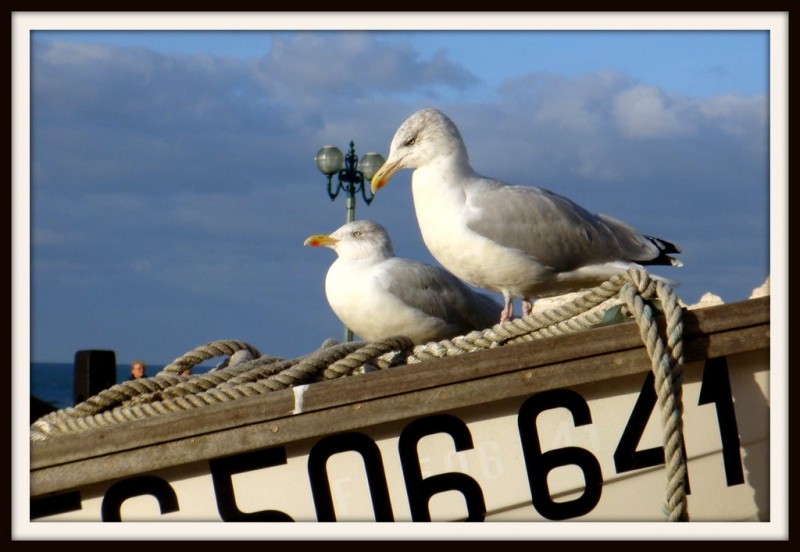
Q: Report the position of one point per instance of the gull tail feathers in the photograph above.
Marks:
(665, 248)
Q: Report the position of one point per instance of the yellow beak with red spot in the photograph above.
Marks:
(319, 240)
(383, 175)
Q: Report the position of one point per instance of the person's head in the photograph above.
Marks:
(138, 369)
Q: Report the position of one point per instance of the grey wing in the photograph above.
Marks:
(440, 294)
(551, 228)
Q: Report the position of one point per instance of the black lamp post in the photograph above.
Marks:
(330, 161)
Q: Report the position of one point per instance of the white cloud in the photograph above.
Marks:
(645, 112)
(313, 67)
(744, 118)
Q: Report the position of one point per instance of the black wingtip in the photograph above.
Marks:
(665, 248)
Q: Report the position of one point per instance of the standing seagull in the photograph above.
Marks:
(520, 241)
(378, 295)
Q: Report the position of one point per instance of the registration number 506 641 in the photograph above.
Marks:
(590, 452)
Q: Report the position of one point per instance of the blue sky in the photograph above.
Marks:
(173, 181)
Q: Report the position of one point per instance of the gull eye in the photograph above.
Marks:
(411, 141)
(357, 233)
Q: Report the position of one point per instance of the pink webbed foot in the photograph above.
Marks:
(508, 311)
(527, 307)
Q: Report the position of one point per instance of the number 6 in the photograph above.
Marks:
(539, 464)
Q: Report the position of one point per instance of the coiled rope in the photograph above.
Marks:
(248, 373)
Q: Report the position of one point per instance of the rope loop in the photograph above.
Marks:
(209, 350)
(667, 366)
(369, 353)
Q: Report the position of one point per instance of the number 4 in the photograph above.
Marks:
(715, 388)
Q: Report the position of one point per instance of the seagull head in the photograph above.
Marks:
(357, 240)
(423, 138)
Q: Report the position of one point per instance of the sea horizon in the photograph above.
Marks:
(52, 382)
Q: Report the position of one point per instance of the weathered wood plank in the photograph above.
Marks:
(429, 374)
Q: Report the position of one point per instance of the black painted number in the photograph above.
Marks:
(717, 389)
(626, 457)
(376, 477)
(120, 491)
(539, 464)
(420, 490)
(222, 472)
